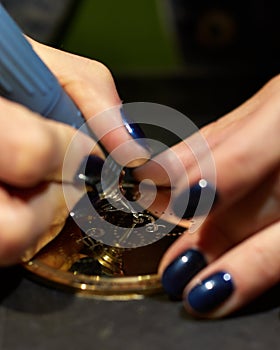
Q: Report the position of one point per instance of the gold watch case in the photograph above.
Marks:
(76, 261)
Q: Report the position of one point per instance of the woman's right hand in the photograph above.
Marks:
(33, 149)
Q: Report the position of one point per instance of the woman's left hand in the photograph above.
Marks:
(235, 255)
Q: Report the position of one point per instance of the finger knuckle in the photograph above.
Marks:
(14, 237)
(275, 81)
(33, 152)
(271, 89)
(101, 73)
(100, 68)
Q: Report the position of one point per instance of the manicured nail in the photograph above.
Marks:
(178, 274)
(211, 292)
(133, 128)
(89, 171)
(195, 201)
(135, 131)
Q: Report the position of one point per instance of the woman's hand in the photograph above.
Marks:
(32, 204)
(235, 255)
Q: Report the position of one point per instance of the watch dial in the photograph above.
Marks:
(79, 260)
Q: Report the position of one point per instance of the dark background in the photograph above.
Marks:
(227, 51)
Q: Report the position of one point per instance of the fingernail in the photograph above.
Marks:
(89, 171)
(178, 274)
(133, 128)
(135, 131)
(195, 201)
(211, 292)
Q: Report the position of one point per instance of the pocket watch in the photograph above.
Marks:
(80, 259)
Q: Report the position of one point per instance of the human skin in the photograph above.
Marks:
(241, 233)
(32, 205)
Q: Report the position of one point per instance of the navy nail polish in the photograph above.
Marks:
(195, 201)
(133, 128)
(135, 131)
(178, 274)
(89, 171)
(211, 292)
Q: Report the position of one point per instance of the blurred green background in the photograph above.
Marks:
(131, 37)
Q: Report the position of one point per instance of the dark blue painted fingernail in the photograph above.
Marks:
(89, 171)
(195, 201)
(178, 274)
(135, 131)
(133, 128)
(211, 292)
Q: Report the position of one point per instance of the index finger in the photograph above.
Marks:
(91, 86)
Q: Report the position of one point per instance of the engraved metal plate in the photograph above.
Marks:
(78, 261)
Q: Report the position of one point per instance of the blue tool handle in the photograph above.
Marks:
(25, 79)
